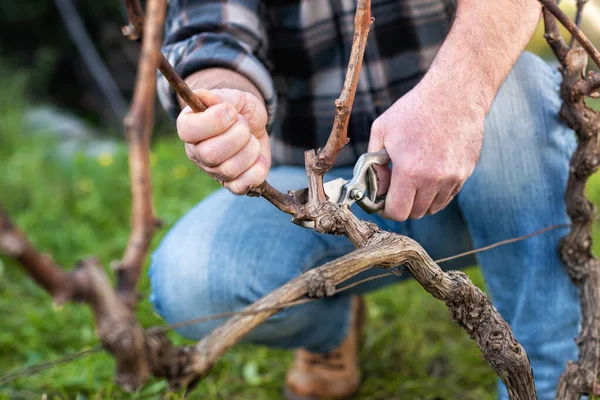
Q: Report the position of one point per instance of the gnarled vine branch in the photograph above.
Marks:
(116, 325)
(580, 377)
(467, 304)
(138, 124)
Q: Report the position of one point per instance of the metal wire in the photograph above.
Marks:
(43, 366)
(304, 300)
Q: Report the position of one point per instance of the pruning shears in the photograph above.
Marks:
(361, 189)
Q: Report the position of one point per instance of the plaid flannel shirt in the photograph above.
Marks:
(296, 53)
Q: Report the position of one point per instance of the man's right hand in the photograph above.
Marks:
(229, 140)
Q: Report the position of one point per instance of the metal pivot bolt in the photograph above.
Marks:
(356, 194)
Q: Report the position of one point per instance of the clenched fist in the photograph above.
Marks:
(229, 140)
(434, 143)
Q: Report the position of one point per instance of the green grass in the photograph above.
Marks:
(79, 206)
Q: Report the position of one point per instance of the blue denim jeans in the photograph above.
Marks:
(229, 251)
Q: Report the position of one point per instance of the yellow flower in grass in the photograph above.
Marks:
(105, 159)
(180, 171)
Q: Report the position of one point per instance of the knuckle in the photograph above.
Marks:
(228, 171)
(396, 213)
(235, 139)
(206, 154)
(400, 215)
(262, 175)
(254, 176)
(191, 154)
(261, 172)
(415, 171)
(455, 177)
(223, 114)
(249, 105)
(241, 131)
(435, 174)
(262, 118)
(377, 126)
(242, 123)
(466, 175)
(238, 187)
(417, 176)
(253, 146)
(257, 113)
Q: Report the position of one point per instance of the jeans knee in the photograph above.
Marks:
(528, 100)
(536, 75)
(178, 298)
(182, 291)
(526, 147)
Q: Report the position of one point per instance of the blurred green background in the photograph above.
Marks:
(69, 191)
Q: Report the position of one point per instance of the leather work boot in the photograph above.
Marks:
(335, 374)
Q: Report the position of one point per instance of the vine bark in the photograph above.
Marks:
(581, 377)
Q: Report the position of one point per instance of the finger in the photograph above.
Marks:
(196, 127)
(216, 150)
(423, 200)
(376, 137)
(252, 177)
(249, 106)
(400, 197)
(265, 149)
(443, 198)
(233, 167)
(384, 176)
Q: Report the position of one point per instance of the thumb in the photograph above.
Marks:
(246, 104)
(209, 98)
(219, 96)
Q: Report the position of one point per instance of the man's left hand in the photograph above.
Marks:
(434, 141)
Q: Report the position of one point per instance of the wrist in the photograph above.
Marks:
(456, 97)
(483, 44)
(220, 78)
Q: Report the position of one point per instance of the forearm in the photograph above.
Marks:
(485, 41)
(220, 78)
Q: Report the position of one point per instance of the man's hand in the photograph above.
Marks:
(434, 133)
(229, 140)
(434, 144)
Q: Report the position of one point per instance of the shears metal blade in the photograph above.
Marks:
(362, 188)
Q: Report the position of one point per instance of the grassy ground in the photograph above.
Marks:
(79, 206)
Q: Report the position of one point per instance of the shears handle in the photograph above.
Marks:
(370, 201)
